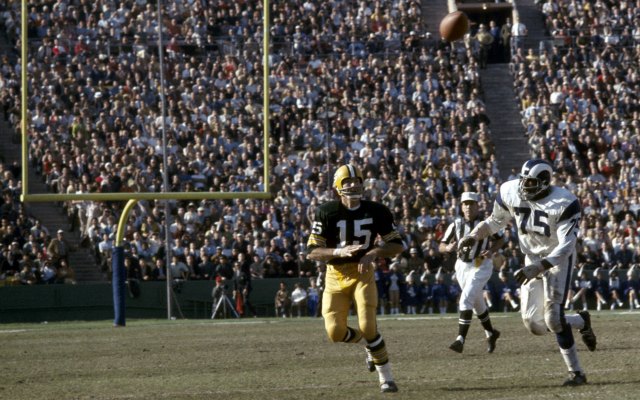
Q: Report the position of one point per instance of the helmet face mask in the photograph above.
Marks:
(535, 179)
(348, 182)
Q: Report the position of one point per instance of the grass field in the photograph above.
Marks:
(291, 359)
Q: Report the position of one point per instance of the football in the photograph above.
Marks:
(454, 26)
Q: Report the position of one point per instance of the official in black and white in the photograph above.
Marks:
(473, 270)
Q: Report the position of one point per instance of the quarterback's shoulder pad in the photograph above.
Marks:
(329, 207)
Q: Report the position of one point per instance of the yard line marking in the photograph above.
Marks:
(13, 330)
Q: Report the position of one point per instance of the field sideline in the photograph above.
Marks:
(291, 359)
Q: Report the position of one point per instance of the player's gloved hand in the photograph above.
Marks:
(464, 248)
(347, 251)
(529, 272)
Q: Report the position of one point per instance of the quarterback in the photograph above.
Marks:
(344, 235)
(547, 218)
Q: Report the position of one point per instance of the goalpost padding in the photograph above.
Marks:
(119, 286)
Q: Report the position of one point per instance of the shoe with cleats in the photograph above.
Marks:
(388, 387)
(369, 360)
(588, 337)
(491, 341)
(576, 378)
(457, 346)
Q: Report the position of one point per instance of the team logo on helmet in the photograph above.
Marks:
(535, 178)
(346, 172)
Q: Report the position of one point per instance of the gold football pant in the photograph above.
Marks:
(344, 286)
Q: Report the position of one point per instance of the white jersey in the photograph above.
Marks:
(547, 228)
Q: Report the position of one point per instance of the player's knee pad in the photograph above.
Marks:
(335, 332)
(553, 318)
(535, 326)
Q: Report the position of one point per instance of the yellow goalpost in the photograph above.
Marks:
(133, 198)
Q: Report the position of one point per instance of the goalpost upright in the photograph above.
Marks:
(119, 274)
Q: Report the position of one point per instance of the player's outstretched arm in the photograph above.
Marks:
(327, 253)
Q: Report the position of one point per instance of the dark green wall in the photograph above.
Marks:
(95, 301)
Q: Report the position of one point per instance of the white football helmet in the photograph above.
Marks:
(535, 178)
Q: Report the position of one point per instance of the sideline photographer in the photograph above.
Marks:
(220, 290)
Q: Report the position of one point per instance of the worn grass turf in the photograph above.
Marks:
(291, 359)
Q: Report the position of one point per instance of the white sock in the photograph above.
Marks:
(384, 373)
(570, 357)
(488, 333)
(460, 338)
(575, 321)
(514, 304)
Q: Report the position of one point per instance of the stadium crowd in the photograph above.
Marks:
(580, 107)
(351, 82)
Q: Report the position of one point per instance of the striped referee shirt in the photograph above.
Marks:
(460, 228)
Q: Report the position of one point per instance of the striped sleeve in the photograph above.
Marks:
(449, 234)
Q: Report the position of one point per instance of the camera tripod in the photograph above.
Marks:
(224, 304)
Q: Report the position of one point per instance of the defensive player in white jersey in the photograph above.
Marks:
(547, 218)
(473, 270)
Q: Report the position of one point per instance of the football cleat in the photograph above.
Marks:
(388, 387)
(457, 346)
(369, 360)
(491, 341)
(576, 378)
(588, 337)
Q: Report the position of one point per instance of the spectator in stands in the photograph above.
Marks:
(59, 249)
(100, 140)
(65, 274)
(48, 272)
(178, 269)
